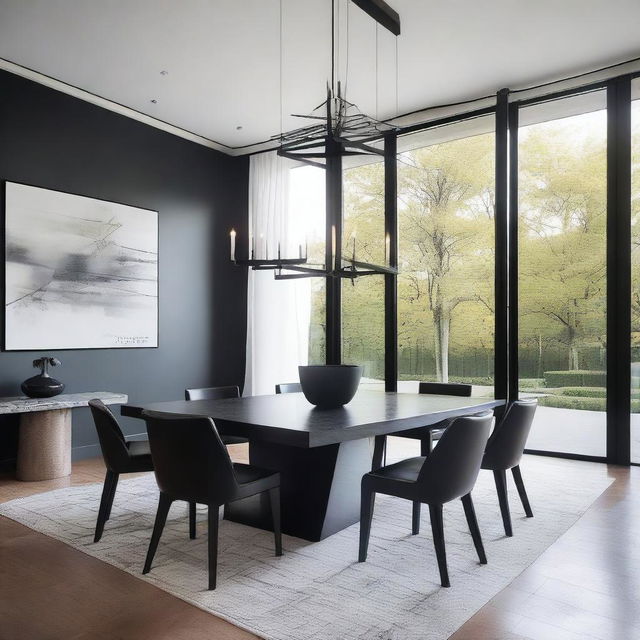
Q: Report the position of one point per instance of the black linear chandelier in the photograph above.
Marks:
(341, 129)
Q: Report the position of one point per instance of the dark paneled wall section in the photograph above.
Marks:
(52, 140)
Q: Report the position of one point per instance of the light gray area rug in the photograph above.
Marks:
(318, 591)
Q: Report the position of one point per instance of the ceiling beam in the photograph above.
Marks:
(382, 13)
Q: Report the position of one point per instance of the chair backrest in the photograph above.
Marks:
(451, 470)
(112, 442)
(507, 442)
(190, 461)
(445, 389)
(289, 387)
(212, 393)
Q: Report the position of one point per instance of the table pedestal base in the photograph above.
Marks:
(44, 445)
(320, 488)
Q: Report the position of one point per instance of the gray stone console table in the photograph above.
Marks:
(44, 445)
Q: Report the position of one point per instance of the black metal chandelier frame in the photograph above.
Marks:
(341, 130)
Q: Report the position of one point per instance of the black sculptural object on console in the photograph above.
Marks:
(43, 385)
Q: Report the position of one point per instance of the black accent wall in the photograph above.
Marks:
(52, 140)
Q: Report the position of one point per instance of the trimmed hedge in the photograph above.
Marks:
(583, 404)
(478, 380)
(575, 378)
(531, 383)
(582, 392)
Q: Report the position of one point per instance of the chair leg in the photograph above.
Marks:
(415, 519)
(114, 485)
(274, 499)
(501, 487)
(105, 506)
(472, 521)
(164, 504)
(192, 520)
(437, 528)
(212, 545)
(517, 477)
(367, 501)
(379, 448)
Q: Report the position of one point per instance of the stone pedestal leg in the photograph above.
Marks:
(44, 445)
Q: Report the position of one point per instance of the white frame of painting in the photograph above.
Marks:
(96, 210)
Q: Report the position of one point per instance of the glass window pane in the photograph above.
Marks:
(364, 240)
(446, 256)
(562, 271)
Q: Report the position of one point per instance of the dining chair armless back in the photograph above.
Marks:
(190, 459)
(119, 456)
(426, 435)
(217, 393)
(504, 451)
(289, 387)
(507, 442)
(192, 464)
(449, 472)
(452, 468)
(112, 443)
(212, 393)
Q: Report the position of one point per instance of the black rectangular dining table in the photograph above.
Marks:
(321, 454)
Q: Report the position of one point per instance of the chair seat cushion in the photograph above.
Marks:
(247, 473)
(252, 480)
(138, 448)
(139, 457)
(405, 470)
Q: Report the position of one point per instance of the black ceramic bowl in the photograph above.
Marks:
(330, 385)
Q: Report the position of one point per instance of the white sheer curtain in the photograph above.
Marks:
(278, 311)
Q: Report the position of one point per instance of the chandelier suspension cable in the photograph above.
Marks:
(333, 46)
(375, 84)
(346, 72)
(397, 109)
(281, 75)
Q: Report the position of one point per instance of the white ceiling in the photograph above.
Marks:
(223, 56)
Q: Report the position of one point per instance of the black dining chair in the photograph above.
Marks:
(449, 472)
(192, 464)
(212, 393)
(119, 456)
(427, 435)
(217, 393)
(504, 451)
(289, 387)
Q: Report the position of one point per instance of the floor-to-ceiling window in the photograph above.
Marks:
(363, 239)
(562, 201)
(446, 258)
(446, 306)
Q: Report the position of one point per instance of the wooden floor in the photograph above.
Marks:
(586, 585)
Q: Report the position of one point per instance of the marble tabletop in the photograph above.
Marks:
(22, 404)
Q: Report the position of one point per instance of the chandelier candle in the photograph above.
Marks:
(232, 239)
(333, 246)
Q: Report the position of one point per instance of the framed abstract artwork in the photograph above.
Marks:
(80, 273)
